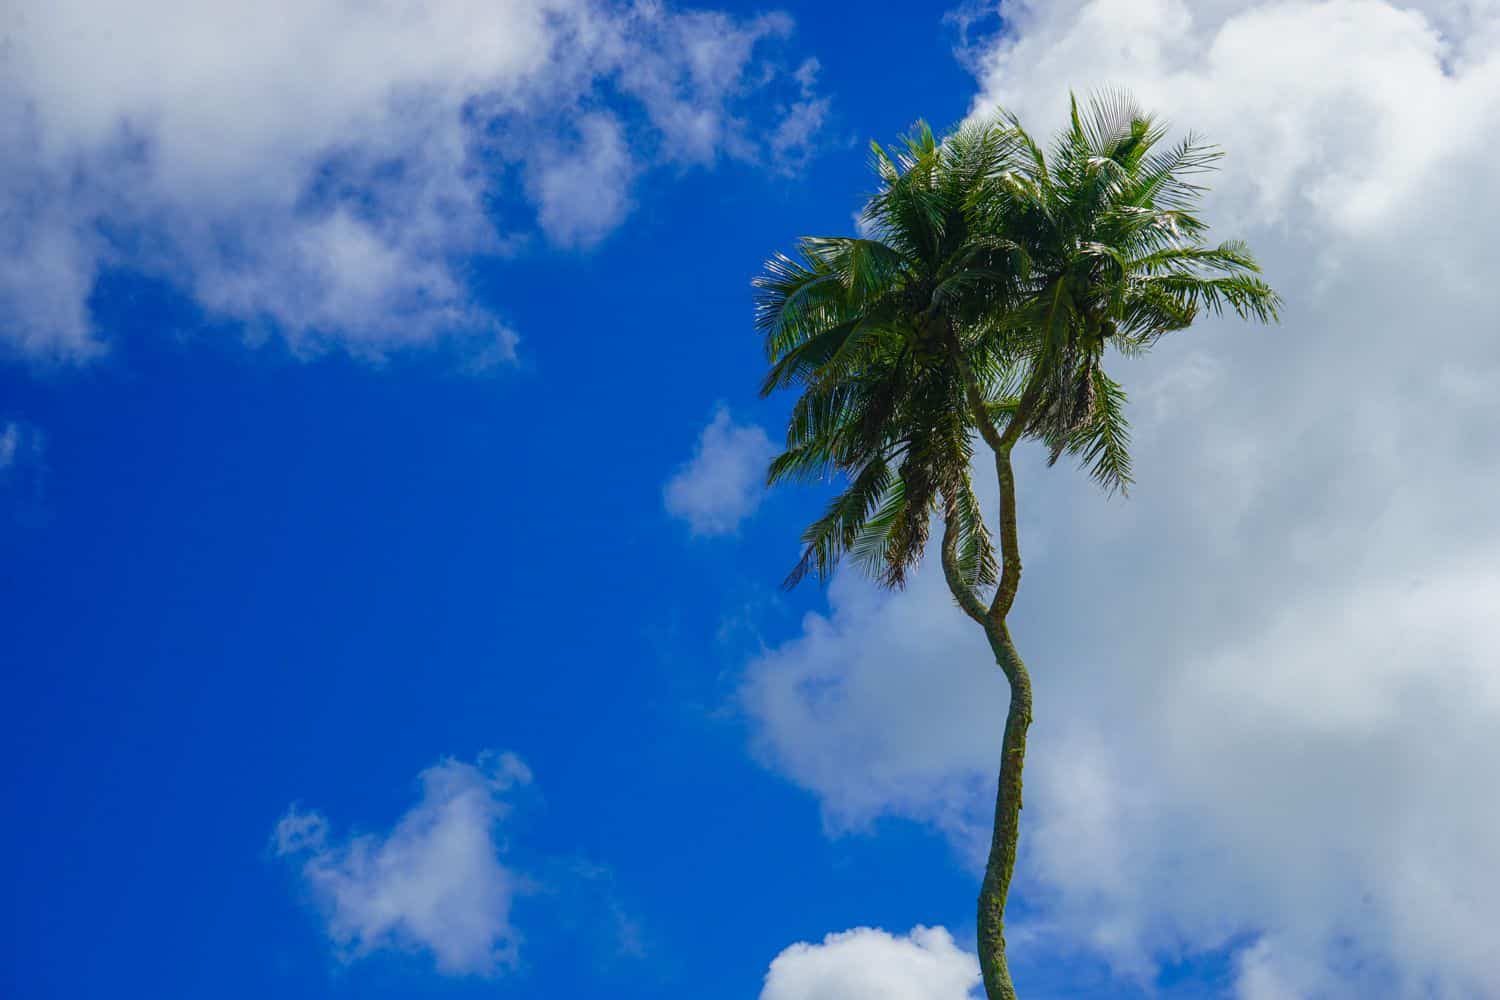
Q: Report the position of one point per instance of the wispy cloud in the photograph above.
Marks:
(433, 883)
(22, 449)
(10, 444)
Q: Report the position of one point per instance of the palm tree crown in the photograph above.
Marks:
(992, 278)
(1115, 256)
(864, 326)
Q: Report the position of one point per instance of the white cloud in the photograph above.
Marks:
(20, 445)
(792, 140)
(723, 483)
(827, 724)
(1268, 696)
(433, 883)
(689, 71)
(10, 443)
(316, 167)
(1259, 976)
(582, 194)
(870, 964)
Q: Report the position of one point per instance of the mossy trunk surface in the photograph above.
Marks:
(1007, 829)
(1002, 860)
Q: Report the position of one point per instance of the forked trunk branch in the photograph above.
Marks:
(1001, 864)
(962, 592)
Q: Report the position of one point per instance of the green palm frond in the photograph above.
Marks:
(827, 538)
(866, 268)
(1103, 442)
(976, 549)
(801, 361)
(872, 548)
(1165, 178)
(1248, 296)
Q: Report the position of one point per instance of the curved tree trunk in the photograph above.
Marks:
(1003, 841)
(1006, 835)
(1007, 831)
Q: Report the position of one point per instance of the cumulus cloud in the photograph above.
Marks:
(1267, 696)
(582, 193)
(870, 964)
(316, 168)
(433, 883)
(823, 722)
(723, 483)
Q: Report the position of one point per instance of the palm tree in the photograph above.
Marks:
(992, 278)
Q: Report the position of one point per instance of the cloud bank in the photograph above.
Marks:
(1268, 697)
(323, 170)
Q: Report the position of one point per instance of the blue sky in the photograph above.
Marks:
(390, 606)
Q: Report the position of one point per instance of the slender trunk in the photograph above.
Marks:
(1007, 831)
(1002, 860)
(1006, 835)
